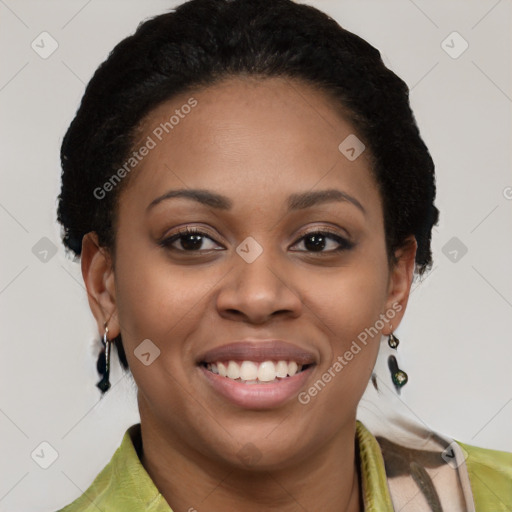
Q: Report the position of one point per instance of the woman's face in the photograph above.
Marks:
(265, 157)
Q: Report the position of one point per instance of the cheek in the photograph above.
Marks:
(350, 310)
(352, 300)
(154, 301)
(359, 307)
(162, 307)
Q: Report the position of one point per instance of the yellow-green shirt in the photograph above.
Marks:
(124, 485)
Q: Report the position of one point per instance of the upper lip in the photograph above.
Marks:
(258, 351)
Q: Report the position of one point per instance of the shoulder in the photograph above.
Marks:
(123, 484)
(92, 499)
(490, 475)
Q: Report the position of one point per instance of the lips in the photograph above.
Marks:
(258, 351)
(257, 374)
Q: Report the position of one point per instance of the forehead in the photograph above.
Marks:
(249, 138)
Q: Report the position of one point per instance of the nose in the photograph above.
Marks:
(258, 291)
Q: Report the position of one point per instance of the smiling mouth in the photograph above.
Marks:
(252, 372)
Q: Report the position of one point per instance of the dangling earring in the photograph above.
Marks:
(399, 377)
(393, 341)
(103, 364)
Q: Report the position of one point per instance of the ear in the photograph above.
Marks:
(400, 281)
(99, 279)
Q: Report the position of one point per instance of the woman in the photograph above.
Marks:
(250, 197)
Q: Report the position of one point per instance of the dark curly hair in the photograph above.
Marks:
(204, 41)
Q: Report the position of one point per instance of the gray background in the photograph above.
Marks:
(455, 339)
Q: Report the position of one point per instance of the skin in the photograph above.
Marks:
(256, 142)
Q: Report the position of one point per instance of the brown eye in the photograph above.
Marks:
(191, 240)
(317, 241)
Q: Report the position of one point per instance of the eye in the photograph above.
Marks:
(191, 239)
(317, 241)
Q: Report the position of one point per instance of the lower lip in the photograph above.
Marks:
(257, 396)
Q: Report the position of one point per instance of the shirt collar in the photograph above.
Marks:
(130, 476)
(128, 473)
(374, 485)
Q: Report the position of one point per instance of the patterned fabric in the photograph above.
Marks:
(425, 470)
(125, 486)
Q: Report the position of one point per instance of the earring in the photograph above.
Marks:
(399, 377)
(103, 364)
(393, 341)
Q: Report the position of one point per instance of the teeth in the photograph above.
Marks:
(223, 372)
(248, 370)
(233, 370)
(282, 369)
(251, 372)
(267, 371)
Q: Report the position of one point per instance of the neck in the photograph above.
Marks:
(326, 480)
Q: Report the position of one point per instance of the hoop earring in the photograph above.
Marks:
(103, 364)
(398, 377)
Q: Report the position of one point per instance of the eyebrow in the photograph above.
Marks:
(295, 201)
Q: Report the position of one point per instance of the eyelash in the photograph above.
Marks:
(343, 242)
